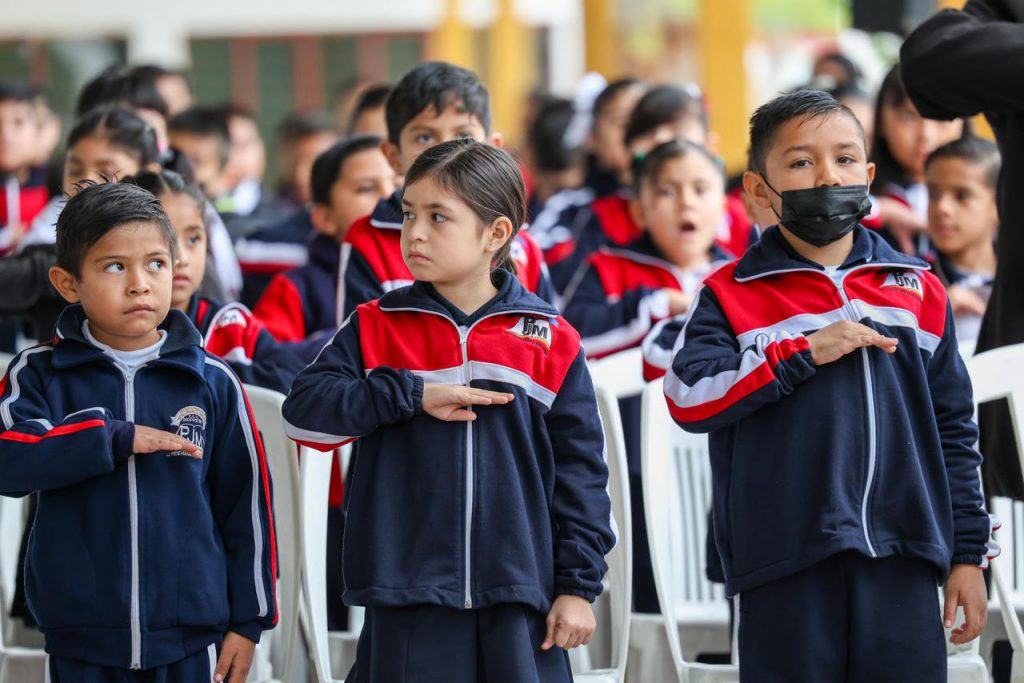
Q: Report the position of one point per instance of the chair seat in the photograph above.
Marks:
(22, 665)
(709, 613)
(967, 668)
(713, 673)
(598, 676)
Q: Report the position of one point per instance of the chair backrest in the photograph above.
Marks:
(622, 373)
(12, 524)
(677, 496)
(315, 468)
(282, 459)
(997, 374)
(619, 579)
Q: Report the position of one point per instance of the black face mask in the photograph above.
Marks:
(822, 215)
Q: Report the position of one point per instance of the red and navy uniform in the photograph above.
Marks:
(232, 333)
(138, 561)
(620, 298)
(271, 251)
(372, 262)
(20, 203)
(522, 514)
(884, 461)
(302, 301)
(576, 223)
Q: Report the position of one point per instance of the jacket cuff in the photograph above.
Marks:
(417, 394)
(251, 630)
(578, 591)
(971, 559)
(122, 440)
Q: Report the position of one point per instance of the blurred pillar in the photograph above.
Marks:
(512, 69)
(725, 31)
(601, 38)
(452, 40)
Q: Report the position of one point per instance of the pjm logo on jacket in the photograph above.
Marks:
(533, 329)
(906, 280)
(190, 423)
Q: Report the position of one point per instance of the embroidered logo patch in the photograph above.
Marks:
(190, 423)
(534, 329)
(231, 317)
(906, 280)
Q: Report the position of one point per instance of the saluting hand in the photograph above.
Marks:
(840, 338)
(149, 440)
(449, 402)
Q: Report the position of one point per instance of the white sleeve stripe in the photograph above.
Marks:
(713, 388)
(257, 524)
(652, 307)
(308, 436)
(5, 407)
(100, 409)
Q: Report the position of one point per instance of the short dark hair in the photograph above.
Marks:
(437, 85)
(299, 125)
(160, 183)
(122, 128)
(485, 177)
(99, 208)
(19, 91)
(546, 136)
(115, 85)
(327, 167)
(771, 116)
(649, 166)
(974, 150)
(611, 91)
(207, 122)
(374, 97)
(665, 104)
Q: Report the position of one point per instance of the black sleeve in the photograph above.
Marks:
(25, 280)
(959, 63)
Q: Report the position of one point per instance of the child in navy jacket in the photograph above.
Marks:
(347, 182)
(153, 541)
(478, 519)
(824, 365)
(433, 103)
(229, 331)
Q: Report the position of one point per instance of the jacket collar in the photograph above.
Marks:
(324, 252)
(182, 348)
(772, 254)
(512, 298)
(388, 212)
(645, 245)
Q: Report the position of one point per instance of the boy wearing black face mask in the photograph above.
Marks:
(824, 366)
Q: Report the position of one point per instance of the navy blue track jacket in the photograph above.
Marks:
(873, 452)
(138, 561)
(511, 507)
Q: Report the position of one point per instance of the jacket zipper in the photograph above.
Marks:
(872, 427)
(464, 347)
(133, 512)
(464, 343)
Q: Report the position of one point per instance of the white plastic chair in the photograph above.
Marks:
(17, 664)
(335, 651)
(614, 605)
(282, 459)
(999, 374)
(677, 497)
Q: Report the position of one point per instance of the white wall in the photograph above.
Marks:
(162, 36)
